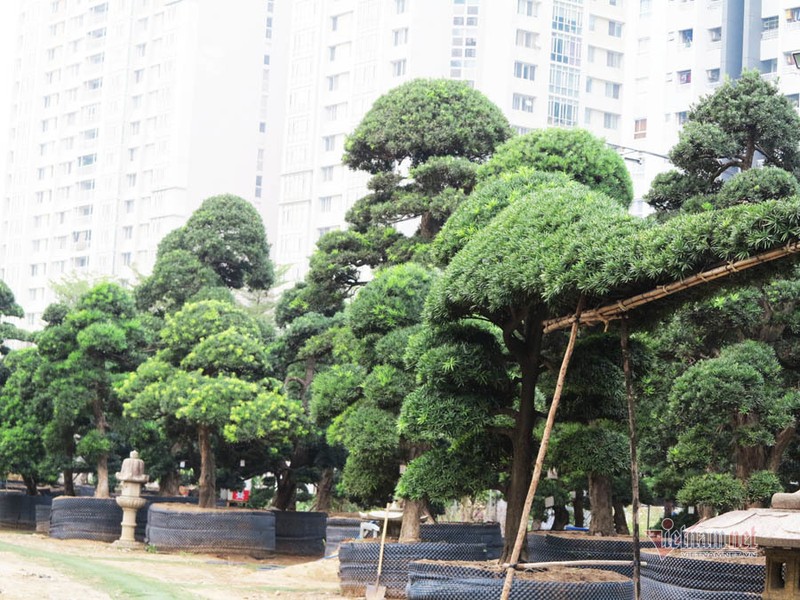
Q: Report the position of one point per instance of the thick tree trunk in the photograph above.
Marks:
(101, 491)
(600, 498)
(521, 461)
(412, 511)
(324, 491)
(30, 485)
(561, 517)
(69, 484)
(620, 522)
(706, 512)
(208, 477)
(748, 460)
(577, 508)
(782, 441)
(169, 484)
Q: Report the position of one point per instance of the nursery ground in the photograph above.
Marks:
(34, 566)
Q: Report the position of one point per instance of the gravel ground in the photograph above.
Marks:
(37, 567)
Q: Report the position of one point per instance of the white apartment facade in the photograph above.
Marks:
(544, 63)
(126, 114)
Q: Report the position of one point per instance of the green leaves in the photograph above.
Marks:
(575, 152)
(425, 118)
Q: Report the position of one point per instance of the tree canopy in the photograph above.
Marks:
(574, 152)
(424, 118)
(742, 121)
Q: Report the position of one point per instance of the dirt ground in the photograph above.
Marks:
(34, 566)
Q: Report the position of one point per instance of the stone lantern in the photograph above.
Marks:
(132, 477)
(781, 545)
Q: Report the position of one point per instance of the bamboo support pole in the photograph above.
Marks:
(537, 470)
(626, 367)
(616, 310)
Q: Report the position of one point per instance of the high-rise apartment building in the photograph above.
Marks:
(544, 63)
(126, 114)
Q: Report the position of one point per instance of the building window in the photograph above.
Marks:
(566, 49)
(526, 7)
(685, 77)
(135, 127)
(794, 99)
(562, 112)
(259, 180)
(97, 33)
(522, 102)
(130, 179)
(715, 34)
(333, 83)
(793, 14)
(400, 36)
(615, 29)
(325, 204)
(614, 59)
(682, 117)
(640, 129)
(86, 185)
(332, 112)
(127, 232)
(524, 70)
(399, 67)
(610, 121)
(526, 39)
(126, 259)
(86, 160)
(769, 66)
(712, 75)
(400, 6)
(565, 81)
(686, 36)
(329, 143)
(612, 89)
(327, 173)
(85, 210)
(769, 23)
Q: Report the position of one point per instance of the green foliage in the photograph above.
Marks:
(757, 185)
(730, 403)
(421, 119)
(210, 375)
(761, 485)
(725, 131)
(86, 351)
(669, 191)
(24, 413)
(222, 245)
(334, 390)
(719, 491)
(559, 244)
(370, 436)
(488, 199)
(299, 300)
(574, 152)
(8, 308)
(600, 448)
(393, 299)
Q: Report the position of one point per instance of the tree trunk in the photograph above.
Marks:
(69, 484)
(520, 479)
(561, 517)
(577, 507)
(30, 485)
(620, 522)
(782, 441)
(749, 459)
(208, 477)
(600, 498)
(101, 491)
(412, 511)
(324, 491)
(169, 484)
(706, 512)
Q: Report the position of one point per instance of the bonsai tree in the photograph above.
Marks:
(211, 375)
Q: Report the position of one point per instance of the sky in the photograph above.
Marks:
(8, 27)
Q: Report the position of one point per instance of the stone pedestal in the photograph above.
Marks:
(132, 477)
(783, 574)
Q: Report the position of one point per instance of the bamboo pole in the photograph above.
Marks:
(537, 470)
(616, 310)
(626, 367)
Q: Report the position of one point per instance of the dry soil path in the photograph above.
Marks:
(37, 567)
